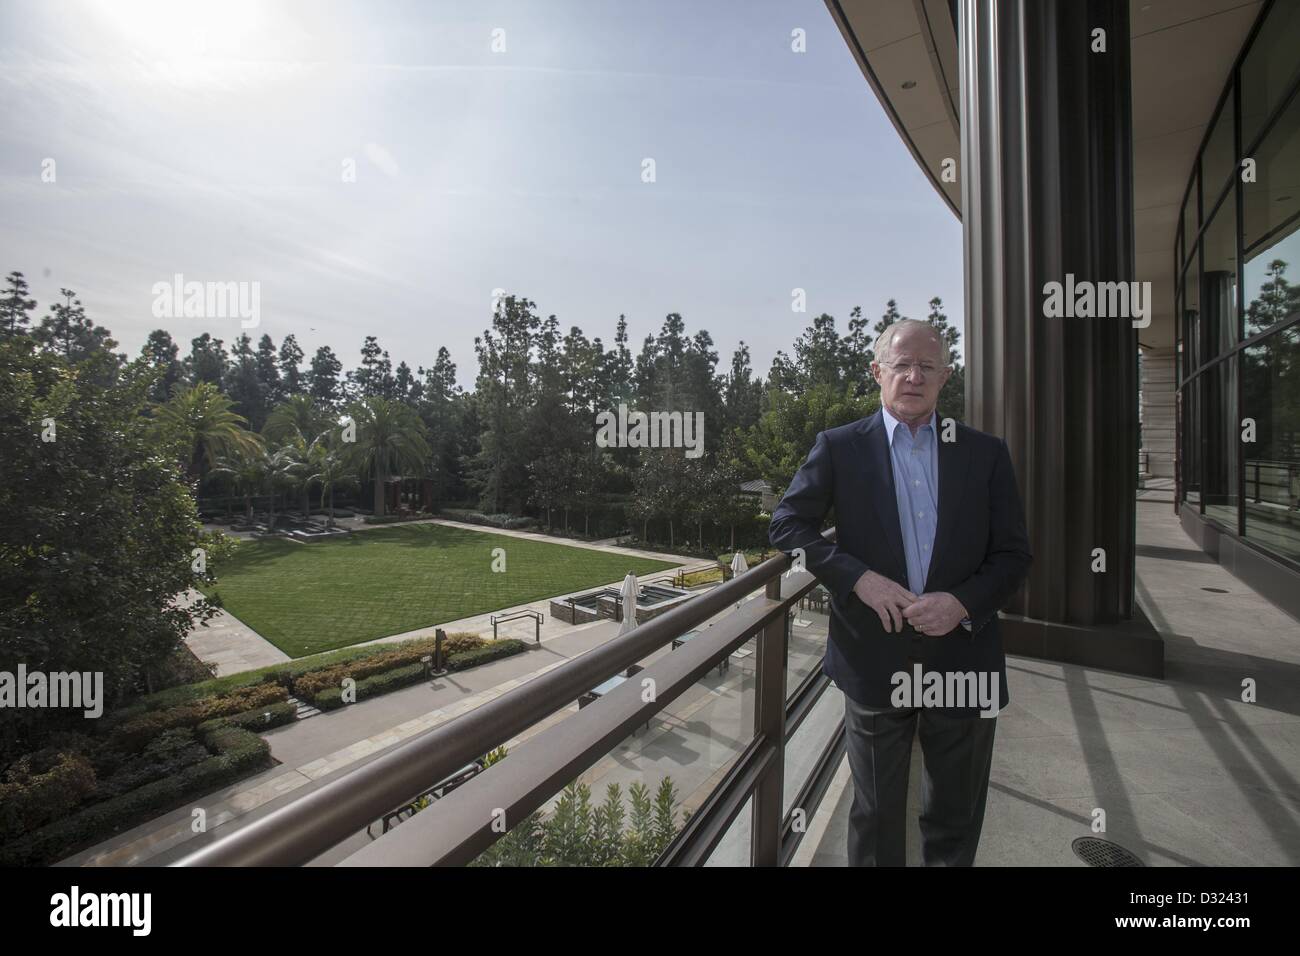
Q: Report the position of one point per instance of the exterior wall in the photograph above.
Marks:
(1158, 411)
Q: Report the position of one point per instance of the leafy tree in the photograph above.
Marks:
(442, 407)
(244, 384)
(15, 307)
(323, 378)
(1275, 300)
(208, 361)
(268, 371)
(97, 530)
(161, 354)
(67, 331)
(952, 399)
(290, 360)
(778, 444)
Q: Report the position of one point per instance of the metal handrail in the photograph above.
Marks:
(535, 616)
(305, 828)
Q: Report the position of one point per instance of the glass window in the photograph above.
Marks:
(1222, 442)
(1192, 319)
(1270, 390)
(1269, 70)
(1191, 222)
(1217, 161)
(1219, 279)
(1271, 222)
(1180, 356)
(1192, 440)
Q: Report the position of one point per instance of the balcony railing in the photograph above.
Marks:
(457, 828)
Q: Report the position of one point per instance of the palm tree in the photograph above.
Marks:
(247, 469)
(284, 466)
(390, 437)
(295, 423)
(328, 465)
(296, 417)
(200, 420)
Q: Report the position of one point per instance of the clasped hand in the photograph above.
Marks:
(935, 614)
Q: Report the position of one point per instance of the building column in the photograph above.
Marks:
(1158, 412)
(1047, 193)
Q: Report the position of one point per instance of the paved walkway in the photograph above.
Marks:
(235, 647)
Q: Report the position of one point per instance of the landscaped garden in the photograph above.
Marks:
(307, 598)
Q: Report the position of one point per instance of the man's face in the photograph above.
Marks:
(908, 391)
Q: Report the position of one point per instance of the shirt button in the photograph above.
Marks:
(920, 514)
(916, 481)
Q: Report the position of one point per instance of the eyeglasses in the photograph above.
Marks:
(905, 368)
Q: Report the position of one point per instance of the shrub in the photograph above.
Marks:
(169, 753)
(482, 655)
(310, 685)
(41, 786)
(331, 698)
(264, 718)
(235, 754)
(135, 732)
(507, 521)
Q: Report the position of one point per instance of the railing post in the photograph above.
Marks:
(769, 723)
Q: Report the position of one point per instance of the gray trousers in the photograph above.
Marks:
(957, 756)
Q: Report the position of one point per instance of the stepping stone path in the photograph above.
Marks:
(303, 710)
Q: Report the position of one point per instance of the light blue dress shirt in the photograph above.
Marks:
(915, 461)
(916, 487)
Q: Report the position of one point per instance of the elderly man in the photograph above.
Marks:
(930, 543)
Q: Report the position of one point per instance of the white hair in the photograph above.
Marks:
(885, 340)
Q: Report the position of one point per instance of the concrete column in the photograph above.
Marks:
(1047, 194)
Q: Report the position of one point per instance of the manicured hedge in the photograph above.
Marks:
(264, 718)
(236, 753)
(310, 685)
(331, 698)
(40, 787)
(482, 655)
(135, 732)
(169, 753)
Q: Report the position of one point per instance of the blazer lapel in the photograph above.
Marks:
(873, 447)
(953, 467)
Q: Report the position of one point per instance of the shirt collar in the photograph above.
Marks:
(891, 423)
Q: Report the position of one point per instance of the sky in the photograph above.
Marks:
(492, 145)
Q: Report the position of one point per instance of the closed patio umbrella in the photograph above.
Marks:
(738, 566)
(628, 594)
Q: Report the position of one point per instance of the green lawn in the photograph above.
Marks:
(308, 598)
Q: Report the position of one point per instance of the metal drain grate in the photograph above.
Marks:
(1098, 852)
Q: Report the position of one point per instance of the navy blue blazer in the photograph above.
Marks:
(981, 552)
